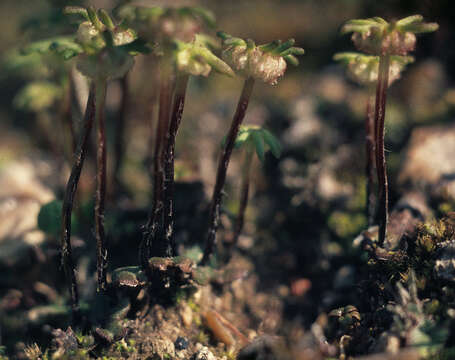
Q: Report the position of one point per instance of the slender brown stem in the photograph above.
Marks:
(155, 221)
(176, 118)
(370, 159)
(245, 188)
(100, 197)
(214, 216)
(70, 112)
(119, 145)
(380, 107)
(70, 192)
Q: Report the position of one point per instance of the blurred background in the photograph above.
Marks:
(305, 208)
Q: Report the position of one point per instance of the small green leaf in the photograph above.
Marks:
(77, 10)
(64, 46)
(50, 217)
(284, 46)
(258, 145)
(37, 96)
(362, 25)
(293, 51)
(215, 62)
(409, 20)
(420, 28)
(291, 59)
(94, 18)
(271, 46)
(106, 19)
(272, 143)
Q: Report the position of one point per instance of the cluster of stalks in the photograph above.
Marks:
(105, 51)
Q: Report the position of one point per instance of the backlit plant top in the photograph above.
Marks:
(157, 24)
(104, 49)
(265, 62)
(378, 37)
(195, 58)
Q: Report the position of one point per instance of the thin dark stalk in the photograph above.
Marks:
(214, 216)
(70, 112)
(244, 192)
(100, 197)
(380, 107)
(370, 159)
(119, 142)
(176, 118)
(70, 192)
(155, 220)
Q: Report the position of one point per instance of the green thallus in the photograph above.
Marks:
(264, 62)
(386, 40)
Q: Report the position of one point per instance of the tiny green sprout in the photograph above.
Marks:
(265, 62)
(391, 42)
(253, 139)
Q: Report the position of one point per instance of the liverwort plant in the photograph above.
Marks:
(252, 139)
(377, 37)
(106, 55)
(182, 52)
(194, 58)
(264, 62)
(102, 52)
(364, 69)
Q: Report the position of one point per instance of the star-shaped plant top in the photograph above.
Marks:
(103, 49)
(378, 37)
(196, 58)
(266, 62)
(107, 48)
(364, 69)
(253, 137)
(160, 24)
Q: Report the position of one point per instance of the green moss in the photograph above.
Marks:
(346, 225)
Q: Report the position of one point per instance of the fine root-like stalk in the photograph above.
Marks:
(214, 216)
(68, 199)
(176, 118)
(100, 198)
(380, 107)
(151, 243)
(370, 160)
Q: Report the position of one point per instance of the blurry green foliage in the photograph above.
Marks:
(37, 96)
(50, 217)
